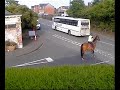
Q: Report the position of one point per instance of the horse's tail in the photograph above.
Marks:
(82, 50)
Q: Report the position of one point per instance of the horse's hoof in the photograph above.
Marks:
(82, 59)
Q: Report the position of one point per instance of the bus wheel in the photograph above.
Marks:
(69, 32)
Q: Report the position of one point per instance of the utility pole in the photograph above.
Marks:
(70, 3)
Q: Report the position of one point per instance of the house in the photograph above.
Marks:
(89, 4)
(62, 11)
(46, 9)
(49, 9)
(35, 8)
(13, 28)
(42, 9)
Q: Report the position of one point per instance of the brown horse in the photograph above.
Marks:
(89, 46)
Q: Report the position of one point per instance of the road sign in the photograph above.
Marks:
(31, 33)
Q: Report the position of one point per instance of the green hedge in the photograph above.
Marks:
(101, 11)
(97, 77)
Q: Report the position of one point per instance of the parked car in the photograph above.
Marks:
(38, 26)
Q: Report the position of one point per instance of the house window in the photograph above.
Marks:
(10, 26)
(6, 27)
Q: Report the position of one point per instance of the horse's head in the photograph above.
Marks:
(97, 38)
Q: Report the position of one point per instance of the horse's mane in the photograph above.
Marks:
(95, 38)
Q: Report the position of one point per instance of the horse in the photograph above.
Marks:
(89, 46)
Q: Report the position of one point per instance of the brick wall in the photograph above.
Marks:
(49, 9)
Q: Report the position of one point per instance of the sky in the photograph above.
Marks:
(55, 3)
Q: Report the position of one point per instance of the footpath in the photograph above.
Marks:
(29, 45)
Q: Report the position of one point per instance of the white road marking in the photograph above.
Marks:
(79, 44)
(28, 64)
(68, 40)
(106, 43)
(36, 62)
(100, 63)
(49, 59)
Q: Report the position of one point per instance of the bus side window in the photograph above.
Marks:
(62, 21)
(76, 23)
(73, 22)
(56, 20)
(66, 22)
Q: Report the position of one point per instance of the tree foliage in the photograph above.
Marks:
(29, 18)
(95, 2)
(101, 13)
(76, 8)
(9, 2)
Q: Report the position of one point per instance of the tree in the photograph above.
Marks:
(103, 13)
(95, 2)
(75, 8)
(9, 2)
(29, 18)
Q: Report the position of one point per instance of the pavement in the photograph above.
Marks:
(29, 45)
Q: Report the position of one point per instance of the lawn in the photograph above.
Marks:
(61, 77)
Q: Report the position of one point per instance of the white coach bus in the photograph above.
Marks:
(70, 25)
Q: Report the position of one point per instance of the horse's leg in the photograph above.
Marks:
(83, 57)
(82, 53)
(93, 54)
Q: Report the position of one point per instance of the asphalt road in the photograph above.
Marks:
(60, 48)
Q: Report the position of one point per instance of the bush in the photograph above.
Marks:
(10, 43)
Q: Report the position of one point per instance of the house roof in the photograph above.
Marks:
(64, 7)
(8, 13)
(45, 4)
(42, 5)
(32, 6)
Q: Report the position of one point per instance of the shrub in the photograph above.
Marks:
(10, 43)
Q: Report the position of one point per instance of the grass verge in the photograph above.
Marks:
(61, 77)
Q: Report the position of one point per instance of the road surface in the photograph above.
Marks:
(60, 48)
